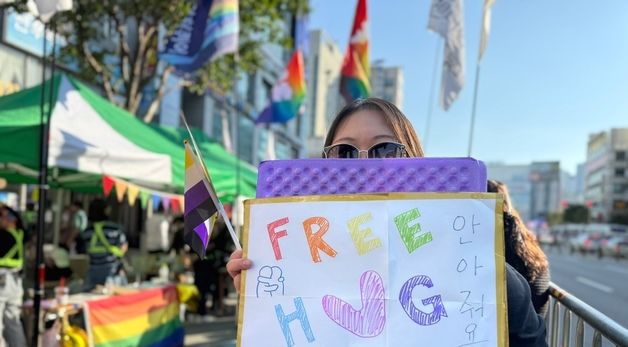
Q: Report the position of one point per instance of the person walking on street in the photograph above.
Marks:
(105, 243)
(11, 291)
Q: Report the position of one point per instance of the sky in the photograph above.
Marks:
(553, 73)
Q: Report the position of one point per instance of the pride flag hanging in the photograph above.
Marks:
(142, 319)
(200, 199)
(209, 31)
(355, 72)
(288, 94)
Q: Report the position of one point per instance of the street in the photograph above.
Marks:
(601, 283)
(218, 333)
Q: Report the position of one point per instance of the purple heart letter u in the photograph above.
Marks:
(368, 321)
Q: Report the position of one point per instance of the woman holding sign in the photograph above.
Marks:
(374, 128)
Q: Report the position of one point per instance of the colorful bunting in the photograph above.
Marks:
(165, 202)
(132, 192)
(174, 205)
(121, 187)
(107, 185)
(144, 196)
(156, 202)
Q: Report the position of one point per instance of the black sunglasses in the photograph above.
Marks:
(380, 150)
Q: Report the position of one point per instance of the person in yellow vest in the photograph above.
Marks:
(11, 291)
(105, 243)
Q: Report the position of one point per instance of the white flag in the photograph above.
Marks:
(45, 9)
(486, 27)
(447, 21)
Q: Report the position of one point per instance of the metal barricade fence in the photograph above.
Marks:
(565, 310)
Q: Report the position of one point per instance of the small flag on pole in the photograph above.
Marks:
(201, 211)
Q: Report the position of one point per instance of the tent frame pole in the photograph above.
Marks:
(44, 134)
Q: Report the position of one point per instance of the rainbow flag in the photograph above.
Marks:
(355, 72)
(209, 31)
(288, 94)
(149, 318)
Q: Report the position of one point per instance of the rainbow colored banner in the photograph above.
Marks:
(209, 31)
(149, 318)
(288, 94)
(355, 72)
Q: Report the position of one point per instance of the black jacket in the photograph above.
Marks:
(525, 327)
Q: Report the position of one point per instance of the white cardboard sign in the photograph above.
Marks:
(398, 269)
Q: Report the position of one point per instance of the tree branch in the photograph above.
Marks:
(105, 76)
(137, 82)
(124, 50)
(152, 109)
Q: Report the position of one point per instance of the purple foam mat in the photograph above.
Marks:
(351, 176)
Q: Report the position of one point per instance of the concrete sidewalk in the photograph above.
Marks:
(213, 332)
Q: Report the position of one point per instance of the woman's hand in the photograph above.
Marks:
(235, 266)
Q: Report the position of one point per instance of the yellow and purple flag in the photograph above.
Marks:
(201, 210)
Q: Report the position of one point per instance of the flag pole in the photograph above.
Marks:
(475, 101)
(236, 142)
(430, 101)
(212, 192)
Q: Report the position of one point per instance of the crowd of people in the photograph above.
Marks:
(95, 234)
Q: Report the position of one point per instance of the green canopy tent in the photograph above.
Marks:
(90, 137)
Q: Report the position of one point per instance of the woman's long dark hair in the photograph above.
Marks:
(523, 241)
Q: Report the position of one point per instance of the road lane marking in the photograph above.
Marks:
(617, 269)
(594, 284)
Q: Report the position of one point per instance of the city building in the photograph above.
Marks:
(387, 83)
(606, 187)
(572, 187)
(544, 189)
(323, 99)
(517, 178)
(21, 46)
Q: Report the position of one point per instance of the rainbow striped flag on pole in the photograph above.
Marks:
(288, 94)
(149, 318)
(210, 31)
(201, 204)
(355, 72)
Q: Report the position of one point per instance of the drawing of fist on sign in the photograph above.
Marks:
(270, 280)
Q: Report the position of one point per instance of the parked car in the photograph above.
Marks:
(622, 249)
(613, 246)
(586, 243)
